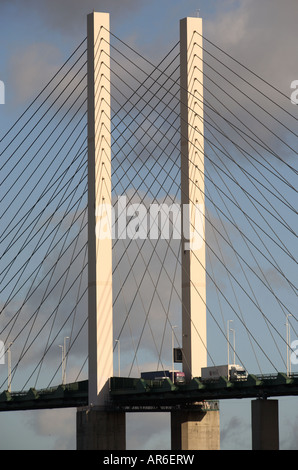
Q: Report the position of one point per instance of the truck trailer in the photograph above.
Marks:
(179, 377)
(232, 372)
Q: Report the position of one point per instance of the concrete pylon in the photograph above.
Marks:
(194, 334)
(100, 304)
(98, 428)
(195, 430)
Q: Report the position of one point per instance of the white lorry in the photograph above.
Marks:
(232, 372)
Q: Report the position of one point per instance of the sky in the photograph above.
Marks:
(37, 37)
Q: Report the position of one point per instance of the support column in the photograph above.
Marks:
(195, 430)
(264, 423)
(194, 334)
(100, 304)
(100, 430)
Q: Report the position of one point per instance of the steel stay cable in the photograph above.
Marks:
(243, 271)
(134, 118)
(242, 150)
(241, 133)
(84, 363)
(32, 315)
(36, 270)
(239, 207)
(47, 221)
(246, 263)
(40, 93)
(48, 137)
(17, 313)
(221, 115)
(228, 304)
(250, 196)
(142, 200)
(71, 345)
(44, 173)
(248, 245)
(71, 341)
(230, 307)
(150, 154)
(146, 316)
(51, 163)
(53, 271)
(65, 279)
(126, 310)
(258, 307)
(133, 50)
(285, 202)
(239, 76)
(38, 267)
(242, 187)
(19, 360)
(184, 89)
(135, 295)
(284, 223)
(211, 313)
(217, 130)
(45, 191)
(52, 341)
(45, 127)
(168, 312)
(150, 304)
(263, 109)
(253, 271)
(141, 84)
(274, 194)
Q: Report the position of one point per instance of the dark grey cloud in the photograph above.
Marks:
(69, 16)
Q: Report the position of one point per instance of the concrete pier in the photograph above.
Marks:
(264, 425)
(100, 430)
(195, 430)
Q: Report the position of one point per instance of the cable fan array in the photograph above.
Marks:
(250, 189)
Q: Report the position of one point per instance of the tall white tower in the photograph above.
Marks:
(194, 340)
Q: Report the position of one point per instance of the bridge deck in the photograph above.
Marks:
(135, 393)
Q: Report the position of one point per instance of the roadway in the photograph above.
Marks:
(132, 394)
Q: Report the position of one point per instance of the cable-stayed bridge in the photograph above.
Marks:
(241, 166)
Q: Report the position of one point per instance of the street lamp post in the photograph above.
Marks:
(228, 340)
(288, 344)
(233, 343)
(118, 346)
(64, 360)
(9, 368)
(173, 352)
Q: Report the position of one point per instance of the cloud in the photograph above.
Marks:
(31, 67)
(148, 431)
(69, 16)
(59, 424)
(260, 36)
(232, 431)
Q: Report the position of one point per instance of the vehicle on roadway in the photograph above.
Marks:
(232, 372)
(178, 376)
